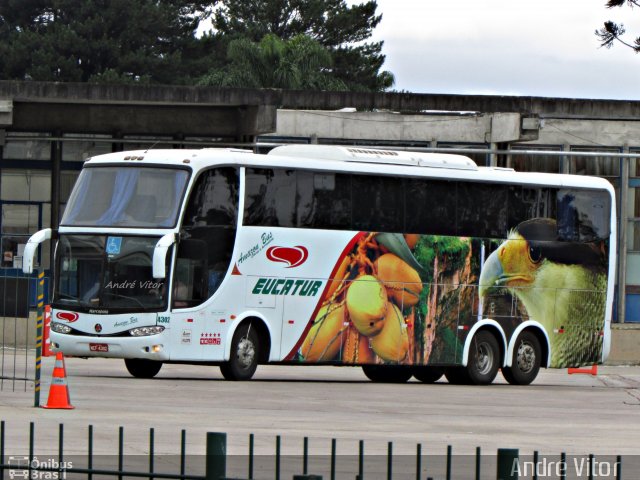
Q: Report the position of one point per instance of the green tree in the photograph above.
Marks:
(613, 32)
(341, 29)
(102, 40)
(297, 64)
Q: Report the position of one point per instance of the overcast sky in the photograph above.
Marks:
(508, 47)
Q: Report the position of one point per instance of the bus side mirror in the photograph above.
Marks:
(160, 255)
(31, 247)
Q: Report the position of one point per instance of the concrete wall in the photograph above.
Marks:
(447, 128)
(386, 126)
(625, 345)
(136, 109)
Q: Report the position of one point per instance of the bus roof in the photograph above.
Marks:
(329, 158)
(376, 155)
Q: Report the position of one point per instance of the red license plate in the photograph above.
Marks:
(98, 347)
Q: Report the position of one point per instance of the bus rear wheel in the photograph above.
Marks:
(387, 373)
(427, 374)
(243, 361)
(525, 363)
(484, 358)
(142, 368)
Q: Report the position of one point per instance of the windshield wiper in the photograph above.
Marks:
(118, 295)
(66, 297)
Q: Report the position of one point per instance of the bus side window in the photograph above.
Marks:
(189, 287)
(323, 200)
(214, 199)
(270, 197)
(209, 230)
(482, 210)
(378, 203)
(583, 215)
(526, 203)
(430, 206)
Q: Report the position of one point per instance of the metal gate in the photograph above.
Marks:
(21, 325)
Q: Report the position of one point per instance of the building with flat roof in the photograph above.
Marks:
(47, 130)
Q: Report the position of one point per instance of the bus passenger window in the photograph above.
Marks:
(482, 210)
(324, 200)
(378, 203)
(526, 203)
(214, 200)
(430, 206)
(270, 197)
(583, 215)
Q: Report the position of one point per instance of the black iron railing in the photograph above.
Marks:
(507, 464)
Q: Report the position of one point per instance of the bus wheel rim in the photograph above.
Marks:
(526, 357)
(484, 358)
(246, 352)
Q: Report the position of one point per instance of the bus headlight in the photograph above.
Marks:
(145, 331)
(60, 327)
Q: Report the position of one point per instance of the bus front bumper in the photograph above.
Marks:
(152, 347)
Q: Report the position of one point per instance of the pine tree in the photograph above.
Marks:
(343, 30)
(101, 40)
(297, 64)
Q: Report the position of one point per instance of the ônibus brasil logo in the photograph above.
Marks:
(67, 316)
(292, 256)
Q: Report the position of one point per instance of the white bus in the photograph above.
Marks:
(406, 264)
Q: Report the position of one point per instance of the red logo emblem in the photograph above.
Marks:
(67, 316)
(292, 256)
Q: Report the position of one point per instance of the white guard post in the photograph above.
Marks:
(31, 247)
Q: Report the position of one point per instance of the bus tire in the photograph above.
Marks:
(142, 368)
(387, 373)
(427, 374)
(245, 352)
(484, 358)
(457, 376)
(525, 364)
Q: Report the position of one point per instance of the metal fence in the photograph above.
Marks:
(23, 461)
(21, 311)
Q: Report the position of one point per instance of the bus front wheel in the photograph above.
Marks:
(525, 364)
(142, 368)
(243, 361)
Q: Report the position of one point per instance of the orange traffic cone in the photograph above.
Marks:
(59, 390)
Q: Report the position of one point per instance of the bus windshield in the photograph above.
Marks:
(126, 197)
(106, 272)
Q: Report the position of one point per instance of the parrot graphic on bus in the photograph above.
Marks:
(562, 285)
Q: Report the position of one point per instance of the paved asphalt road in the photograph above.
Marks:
(577, 414)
